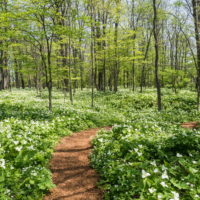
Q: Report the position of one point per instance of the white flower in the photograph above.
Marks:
(164, 168)
(136, 150)
(194, 162)
(2, 163)
(190, 155)
(100, 140)
(31, 147)
(139, 153)
(152, 190)
(164, 175)
(153, 163)
(176, 196)
(159, 196)
(18, 148)
(16, 142)
(196, 196)
(179, 155)
(145, 174)
(34, 173)
(156, 170)
(163, 184)
(8, 191)
(140, 145)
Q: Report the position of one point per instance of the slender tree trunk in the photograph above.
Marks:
(50, 80)
(104, 56)
(22, 81)
(196, 16)
(69, 72)
(93, 64)
(92, 53)
(142, 81)
(116, 65)
(156, 32)
(1, 69)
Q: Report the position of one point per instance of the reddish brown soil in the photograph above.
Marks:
(191, 125)
(72, 174)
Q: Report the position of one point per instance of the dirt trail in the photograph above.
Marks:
(191, 124)
(72, 174)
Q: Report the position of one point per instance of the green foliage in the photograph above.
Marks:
(29, 133)
(150, 156)
(141, 139)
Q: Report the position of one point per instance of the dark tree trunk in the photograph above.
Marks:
(196, 16)
(156, 32)
(22, 81)
(116, 65)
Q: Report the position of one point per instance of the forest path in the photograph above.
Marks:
(72, 174)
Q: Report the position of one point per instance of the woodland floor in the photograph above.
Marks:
(72, 174)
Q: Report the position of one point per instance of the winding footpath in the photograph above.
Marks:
(72, 174)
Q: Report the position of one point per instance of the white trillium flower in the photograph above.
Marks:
(8, 191)
(156, 170)
(16, 142)
(34, 173)
(140, 145)
(164, 168)
(176, 196)
(31, 147)
(179, 155)
(152, 190)
(139, 153)
(145, 174)
(194, 162)
(196, 196)
(160, 196)
(136, 150)
(164, 175)
(191, 185)
(2, 163)
(18, 148)
(153, 163)
(163, 184)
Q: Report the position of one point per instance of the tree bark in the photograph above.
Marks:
(196, 16)
(156, 32)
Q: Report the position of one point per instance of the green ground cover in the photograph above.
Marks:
(28, 133)
(146, 155)
(149, 156)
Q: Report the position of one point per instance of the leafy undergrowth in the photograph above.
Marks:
(149, 156)
(29, 133)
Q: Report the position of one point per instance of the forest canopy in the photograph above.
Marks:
(100, 44)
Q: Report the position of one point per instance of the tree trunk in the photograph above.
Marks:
(116, 65)
(156, 32)
(196, 16)
(92, 52)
